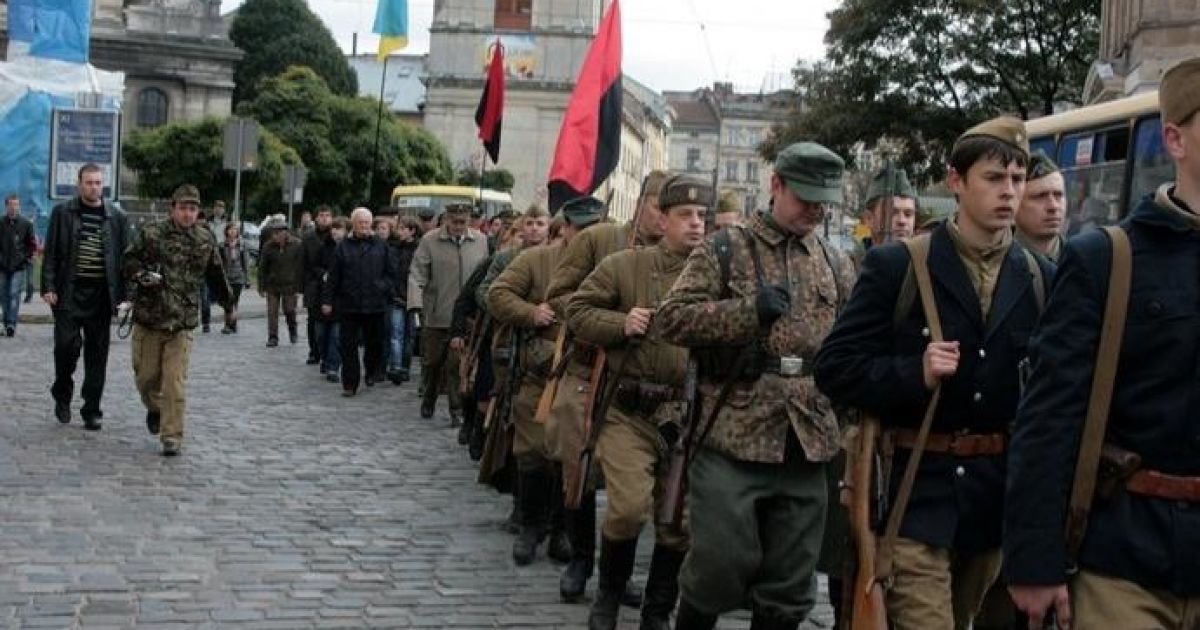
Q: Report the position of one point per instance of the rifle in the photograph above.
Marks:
(577, 483)
(670, 512)
(862, 490)
(469, 366)
(513, 384)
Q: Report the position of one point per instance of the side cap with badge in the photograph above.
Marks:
(683, 190)
(812, 172)
(1007, 129)
(1179, 92)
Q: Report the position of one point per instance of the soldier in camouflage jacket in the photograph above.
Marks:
(767, 294)
(167, 263)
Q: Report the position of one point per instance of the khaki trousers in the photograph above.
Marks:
(276, 301)
(1102, 602)
(635, 463)
(935, 589)
(160, 364)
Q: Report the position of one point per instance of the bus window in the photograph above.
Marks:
(1152, 166)
(1093, 166)
(1045, 145)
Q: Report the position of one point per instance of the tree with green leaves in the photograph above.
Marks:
(277, 34)
(191, 153)
(495, 179)
(335, 136)
(917, 73)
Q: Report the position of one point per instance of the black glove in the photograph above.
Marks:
(772, 302)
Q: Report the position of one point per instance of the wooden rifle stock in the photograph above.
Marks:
(867, 609)
(576, 484)
(670, 510)
(546, 401)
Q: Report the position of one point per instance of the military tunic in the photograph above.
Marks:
(631, 452)
(756, 490)
(512, 300)
(165, 315)
(582, 254)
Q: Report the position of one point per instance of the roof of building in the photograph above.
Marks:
(693, 110)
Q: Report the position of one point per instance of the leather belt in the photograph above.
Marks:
(960, 444)
(787, 366)
(1163, 486)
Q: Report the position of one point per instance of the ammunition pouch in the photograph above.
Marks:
(642, 399)
(1117, 466)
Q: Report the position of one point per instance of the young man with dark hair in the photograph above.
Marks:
(885, 359)
(81, 281)
(312, 262)
(1138, 565)
(1043, 208)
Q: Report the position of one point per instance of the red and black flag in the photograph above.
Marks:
(589, 143)
(490, 113)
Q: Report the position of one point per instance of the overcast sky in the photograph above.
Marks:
(753, 43)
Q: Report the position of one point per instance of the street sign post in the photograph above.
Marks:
(294, 177)
(240, 154)
(82, 136)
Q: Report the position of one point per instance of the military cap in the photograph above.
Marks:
(683, 190)
(729, 201)
(1007, 129)
(507, 214)
(460, 208)
(426, 213)
(582, 211)
(186, 193)
(812, 172)
(1040, 165)
(1179, 92)
(900, 186)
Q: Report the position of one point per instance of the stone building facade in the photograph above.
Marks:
(1139, 40)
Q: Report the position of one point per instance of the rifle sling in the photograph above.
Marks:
(918, 249)
(1116, 307)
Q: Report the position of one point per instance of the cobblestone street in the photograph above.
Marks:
(290, 507)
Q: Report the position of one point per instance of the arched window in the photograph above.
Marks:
(152, 108)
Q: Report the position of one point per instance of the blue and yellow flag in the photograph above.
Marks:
(391, 22)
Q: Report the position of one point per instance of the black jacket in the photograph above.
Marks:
(360, 278)
(867, 363)
(312, 260)
(1155, 412)
(62, 248)
(465, 307)
(17, 243)
(402, 252)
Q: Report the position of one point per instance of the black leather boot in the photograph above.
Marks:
(559, 547)
(662, 588)
(532, 491)
(616, 565)
(581, 527)
(691, 619)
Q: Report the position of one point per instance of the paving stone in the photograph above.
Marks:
(290, 507)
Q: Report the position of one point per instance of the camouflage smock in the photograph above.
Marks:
(754, 422)
(185, 257)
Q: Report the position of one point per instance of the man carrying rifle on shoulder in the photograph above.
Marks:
(516, 302)
(753, 304)
(940, 318)
(567, 396)
(614, 309)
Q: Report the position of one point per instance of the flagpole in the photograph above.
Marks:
(378, 124)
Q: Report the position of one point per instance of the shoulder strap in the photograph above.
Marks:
(836, 268)
(1039, 281)
(1116, 307)
(918, 249)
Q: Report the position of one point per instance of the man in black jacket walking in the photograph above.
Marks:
(81, 281)
(360, 288)
(17, 247)
(313, 274)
